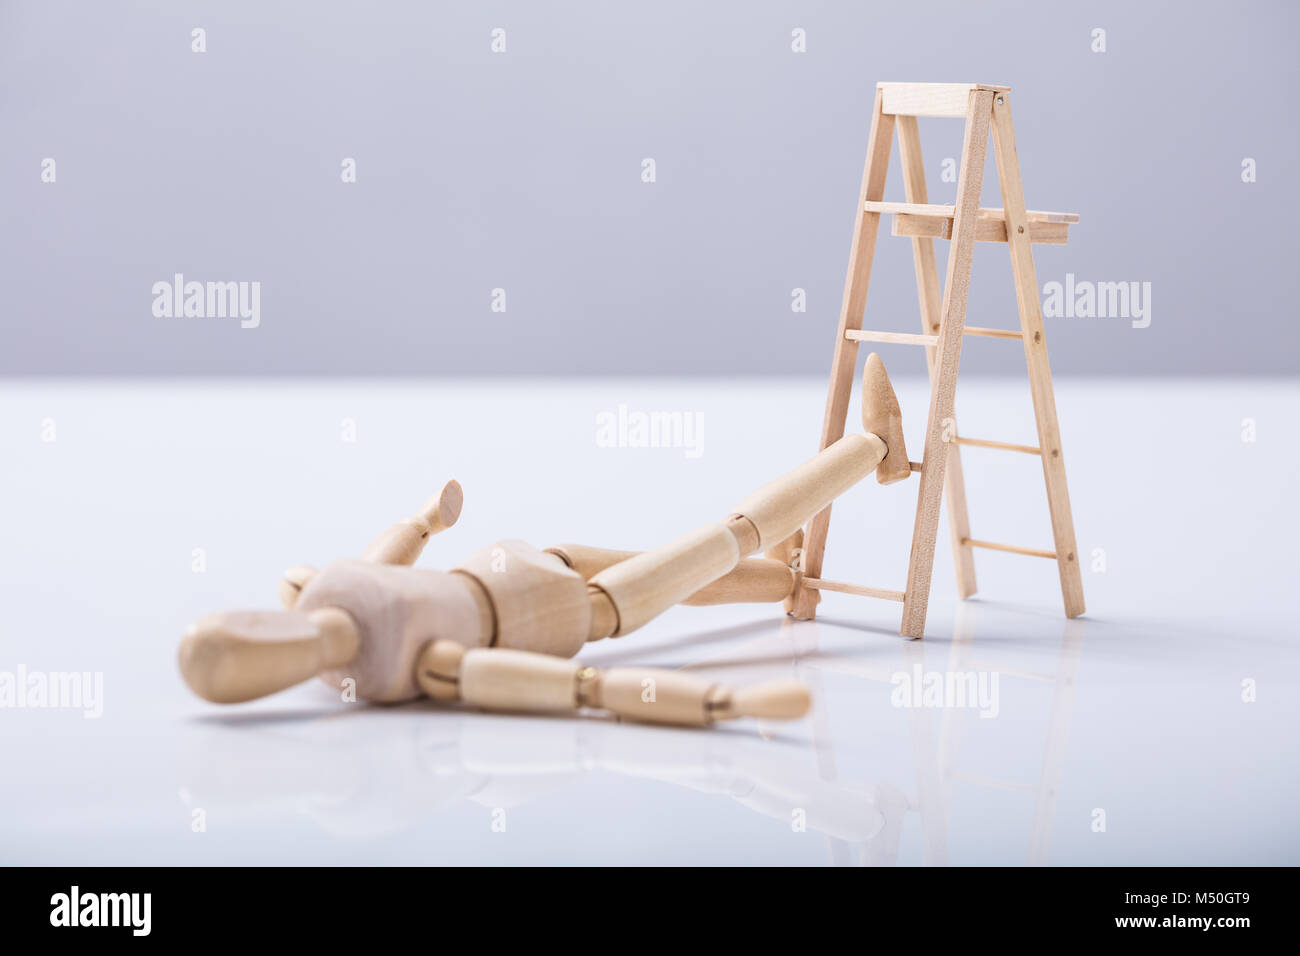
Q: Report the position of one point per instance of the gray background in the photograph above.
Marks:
(479, 170)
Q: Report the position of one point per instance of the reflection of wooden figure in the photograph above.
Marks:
(474, 633)
(353, 782)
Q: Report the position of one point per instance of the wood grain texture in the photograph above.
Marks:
(538, 603)
(400, 544)
(507, 680)
(930, 99)
(931, 306)
(500, 679)
(242, 655)
(1040, 373)
(751, 581)
(999, 445)
(947, 358)
(882, 418)
(790, 554)
(404, 542)
(661, 697)
(397, 610)
(986, 230)
(780, 507)
(643, 587)
(885, 594)
(1011, 548)
(982, 214)
(891, 338)
(856, 283)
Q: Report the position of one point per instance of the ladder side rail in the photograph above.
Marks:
(927, 289)
(865, 230)
(1040, 372)
(939, 424)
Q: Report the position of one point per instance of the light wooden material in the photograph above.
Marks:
(437, 670)
(292, 582)
(891, 338)
(780, 507)
(400, 544)
(538, 603)
(943, 386)
(1011, 548)
(242, 655)
(856, 284)
(522, 681)
(367, 625)
(986, 109)
(519, 680)
(986, 230)
(643, 587)
(994, 333)
(882, 593)
(391, 613)
(882, 417)
(929, 341)
(1040, 372)
(931, 306)
(1000, 445)
(403, 542)
(751, 581)
(397, 610)
(982, 214)
(789, 553)
(930, 99)
(672, 698)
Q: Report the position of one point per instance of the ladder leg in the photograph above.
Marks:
(927, 287)
(1040, 372)
(939, 428)
(865, 229)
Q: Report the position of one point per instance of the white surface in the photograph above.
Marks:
(1144, 719)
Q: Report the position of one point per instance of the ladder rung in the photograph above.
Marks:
(1012, 548)
(910, 338)
(915, 465)
(994, 333)
(948, 212)
(897, 338)
(1004, 446)
(817, 584)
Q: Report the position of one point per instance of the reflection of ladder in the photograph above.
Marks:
(936, 761)
(1048, 789)
(943, 326)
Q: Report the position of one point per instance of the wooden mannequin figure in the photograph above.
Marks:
(498, 630)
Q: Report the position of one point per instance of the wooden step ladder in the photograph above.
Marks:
(943, 324)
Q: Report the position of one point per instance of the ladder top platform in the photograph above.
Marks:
(948, 212)
(962, 87)
(930, 99)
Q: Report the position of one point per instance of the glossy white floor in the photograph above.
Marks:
(1132, 716)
